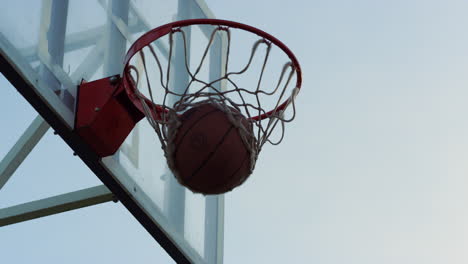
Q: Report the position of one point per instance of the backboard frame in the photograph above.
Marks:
(29, 84)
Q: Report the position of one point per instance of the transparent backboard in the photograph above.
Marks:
(52, 45)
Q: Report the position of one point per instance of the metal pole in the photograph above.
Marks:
(214, 229)
(54, 205)
(214, 205)
(52, 38)
(115, 41)
(174, 195)
(22, 148)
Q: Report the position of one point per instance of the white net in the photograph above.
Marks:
(175, 75)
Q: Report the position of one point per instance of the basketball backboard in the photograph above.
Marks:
(54, 46)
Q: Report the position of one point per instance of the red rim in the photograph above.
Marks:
(163, 30)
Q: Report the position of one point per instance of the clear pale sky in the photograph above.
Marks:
(373, 170)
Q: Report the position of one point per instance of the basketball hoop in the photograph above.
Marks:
(241, 105)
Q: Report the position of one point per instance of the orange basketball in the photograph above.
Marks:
(209, 155)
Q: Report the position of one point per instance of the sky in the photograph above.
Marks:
(372, 170)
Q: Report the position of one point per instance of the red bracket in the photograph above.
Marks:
(105, 115)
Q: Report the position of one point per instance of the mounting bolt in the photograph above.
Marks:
(115, 199)
(97, 109)
(113, 79)
(74, 154)
(55, 132)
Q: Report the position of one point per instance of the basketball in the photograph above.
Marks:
(208, 153)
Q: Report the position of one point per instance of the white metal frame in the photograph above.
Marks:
(22, 148)
(56, 204)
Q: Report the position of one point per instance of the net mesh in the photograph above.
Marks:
(226, 91)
